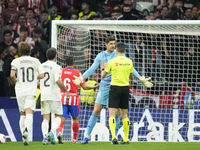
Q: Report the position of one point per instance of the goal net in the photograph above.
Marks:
(166, 51)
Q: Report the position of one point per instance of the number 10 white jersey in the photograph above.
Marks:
(48, 86)
(27, 69)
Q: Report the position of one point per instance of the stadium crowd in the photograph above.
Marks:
(171, 56)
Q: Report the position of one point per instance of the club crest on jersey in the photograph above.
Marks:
(116, 64)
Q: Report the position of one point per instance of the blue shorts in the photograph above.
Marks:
(102, 97)
(70, 110)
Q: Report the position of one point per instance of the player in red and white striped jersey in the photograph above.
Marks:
(71, 106)
(23, 37)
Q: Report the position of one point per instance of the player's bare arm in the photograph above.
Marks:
(40, 76)
(12, 76)
(62, 87)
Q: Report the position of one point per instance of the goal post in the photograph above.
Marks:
(167, 51)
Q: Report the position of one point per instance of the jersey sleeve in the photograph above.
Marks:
(13, 65)
(39, 67)
(58, 73)
(108, 67)
(94, 66)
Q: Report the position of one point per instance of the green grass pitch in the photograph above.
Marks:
(103, 146)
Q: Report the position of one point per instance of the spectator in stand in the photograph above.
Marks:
(40, 44)
(84, 17)
(95, 17)
(35, 53)
(169, 4)
(2, 28)
(10, 13)
(30, 20)
(22, 22)
(194, 13)
(106, 9)
(116, 7)
(85, 7)
(74, 17)
(2, 6)
(22, 10)
(54, 10)
(9, 26)
(2, 74)
(7, 39)
(45, 25)
(133, 10)
(164, 12)
(10, 86)
(177, 11)
(23, 37)
(127, 15)
(37, 5)
(198, 18)
(188, 14)
(156, 13)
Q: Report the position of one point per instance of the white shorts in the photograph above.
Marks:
(51, 106)
(25, 102)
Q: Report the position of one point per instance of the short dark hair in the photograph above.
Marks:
(69, 60)
(30, 9)
(120, 47)
(44, 12)
(34, 51)
(51, 53)
(22, 7)
(23, 29)
(110, 38)
(116, 11)
(127, 5)
(38, 30)
(21, 15)
(156, 10)
(6, 32)
(164, 7)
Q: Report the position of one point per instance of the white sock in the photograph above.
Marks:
(21, 123)
(29, 121)
(45, 128)
(56, 124)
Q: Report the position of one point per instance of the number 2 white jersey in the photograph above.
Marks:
(27, 69)
(48, 86)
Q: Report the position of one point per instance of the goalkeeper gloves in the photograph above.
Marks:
(77, 80)
(146, 82)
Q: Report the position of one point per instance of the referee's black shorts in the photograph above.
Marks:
(119, 97)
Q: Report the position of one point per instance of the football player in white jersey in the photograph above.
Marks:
(50, 96)
(28, 70)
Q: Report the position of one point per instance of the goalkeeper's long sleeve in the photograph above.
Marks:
(135, 73)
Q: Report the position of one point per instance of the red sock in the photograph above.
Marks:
(75, 128)
(61, 127)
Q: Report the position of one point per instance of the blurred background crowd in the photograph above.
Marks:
(30, 21)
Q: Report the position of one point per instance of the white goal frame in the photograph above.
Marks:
(116, 22)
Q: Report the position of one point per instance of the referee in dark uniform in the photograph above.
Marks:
(121, 69)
